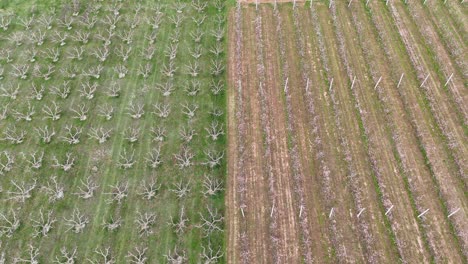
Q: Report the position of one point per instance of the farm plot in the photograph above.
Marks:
(112, 131)
(346, 133)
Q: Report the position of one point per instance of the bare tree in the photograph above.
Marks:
(88, 89)
(35, 159)
(4, 112)
(154, 158)
(81, 112)
(212, 186)
(81, 36)
(37, 37)
(52, 54)
(152, 37)
(10, 92)
(118, 192)
(217, 112)
(214, 130)
(67, 257)
(161, 110)
(121, 70)
(106, 111)
(197, 35)
(199, 20)
(209, 256)
(32, 256)
(52, 112)
(101, 53)
(9, 225)
(45, 134)
(67, 163)
(193, 69)
(217, 67)
(43, 223)
(127, 160)
(7, 161)
(60, 38)
(138, 256)
(26, 115)
(76, 53)
(113, 90)
(31, 54)
(14, 136)
(189, 109)
(104, 255)
(136, 110)
(180, 223)
(213, 158)
(54, 190)
(131, 134)
(211, 223)
(126, 36)
(159, 133)
(199, 6)
(21, 191)
(73, 134)
(149, 189)
(176, 256)
(88, 21)
(187, 133)
(123, 52)
(145, 223)
(26, 22)
(193, 88)
(5, 22)
(20, 71)
(77, 222)
(197, 52)
(100, 134)
(184, 158)
(61, 91)
(46, 21)
(148, 52)
(217, 49)
(155, 20)
(169, 69)
(166, 89)
(113, 224)
(66, 22)
(171, 51)
(38, 93)
(144, 70)
(17, 38)
(87, 188)
(181, 189)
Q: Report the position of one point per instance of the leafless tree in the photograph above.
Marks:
(66, 22)
(4, 112)
(144, 70)
(180, 223)
(32, 256)
(52, 112)
(104, 255)
(101, 53)
(199, 20)
(162, 110)
(155, 20)
(197, 35)
(113, 90)
(138, 256)
(166, 89)
(193, 88)
(7, 161)
(212, 186)
(67, 257)
(113, 224)
(217, 112)
(9, 225)
(43, 223)
(217, 49)
(145, 223)
(27, 115)
(21, 191)
(87, 188)
(189, 109)
(31, 54)
(121, 70)
(136, 110)
(213, 158)
(159, 133)
(38, 92)
(81, 36)
(148, 52)
(61, 91)
(54, 190)
(211, 223)
(217, 67)
(60, 38)
(181, 189)
(131, 134)
(37, 37)
(127, 160)
(13, 135)
(126, 36)
(106, 111)
(52, 54)
(26, 22)
(118, 192)
(111, 21)
(81, 112)
(149, 189)
(176, 256)
(67, 163)
(46, 21)
(76, 53)
(209, 256)
(123, 52)
(34, 159)
(72, 135)
(187, 133)
(151, 37)
(94, 72)
(17, 38)
(214, 130)
(105, 37)
(77, 222)
(88, 20)
(171, 51)
(217, 87)
(10, 91)
(154, 158)
(5, 22)
(199, 6)
(88, 89)
(20, 71)
(197, 52)
(45, 134)
(100, 134)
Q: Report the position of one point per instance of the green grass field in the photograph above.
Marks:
(101, 162)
